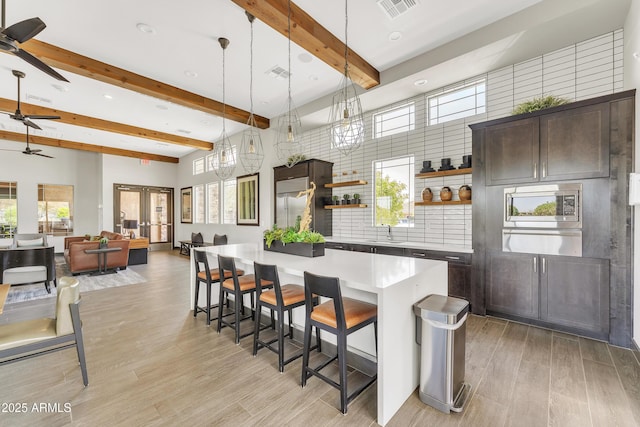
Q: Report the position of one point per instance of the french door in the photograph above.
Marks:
(151, 209)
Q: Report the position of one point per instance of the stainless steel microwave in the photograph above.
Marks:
(543, 206)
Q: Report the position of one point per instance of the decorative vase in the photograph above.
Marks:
(446, 194)
(464, 193)
(427, 194)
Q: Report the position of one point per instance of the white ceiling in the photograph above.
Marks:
(441, 41)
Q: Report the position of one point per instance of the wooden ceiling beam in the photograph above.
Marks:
(93, 69)
(105, 125)
(54, 142)
(310, 35)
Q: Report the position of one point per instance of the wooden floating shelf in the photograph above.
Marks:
(444, 173)
(451, 202)
(345, 184)
(344, 206)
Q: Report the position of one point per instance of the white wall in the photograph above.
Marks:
(69, 167)
(632, 81)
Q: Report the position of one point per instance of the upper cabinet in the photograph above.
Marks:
(569, 144)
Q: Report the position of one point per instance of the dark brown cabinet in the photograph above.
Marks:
(571, 144)
(566, 291)
(459, 269)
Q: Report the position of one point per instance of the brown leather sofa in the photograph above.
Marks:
(80, 262)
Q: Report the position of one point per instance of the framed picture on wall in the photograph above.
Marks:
(247, 208)
(186, 205)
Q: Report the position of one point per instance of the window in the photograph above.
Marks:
(8, 209)
(395, 120)
(229, 201)
(198, 204)
(198, 166)
(465, 101)
(211, 160)
(394, 192)
(55, 209)
(213, 203)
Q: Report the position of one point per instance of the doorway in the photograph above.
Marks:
(147, 210)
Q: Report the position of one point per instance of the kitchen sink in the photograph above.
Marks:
(385, 241)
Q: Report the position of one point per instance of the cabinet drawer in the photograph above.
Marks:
(451, 257)
(336, 245)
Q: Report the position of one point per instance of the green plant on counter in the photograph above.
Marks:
(539, 104)
(346, 197)
(336, 198)
(290, 235)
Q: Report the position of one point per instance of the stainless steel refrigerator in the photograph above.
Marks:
(288, 206)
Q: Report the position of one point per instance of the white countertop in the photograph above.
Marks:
(402, 244)
(364, 271)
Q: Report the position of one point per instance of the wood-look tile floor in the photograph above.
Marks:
(151, 363)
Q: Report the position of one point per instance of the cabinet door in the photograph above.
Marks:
(389, 250)
(512, 284)
(512, 152)
(575, 143)
(337, 245)
(575, 292)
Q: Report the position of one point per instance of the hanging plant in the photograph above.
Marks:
(539, 104)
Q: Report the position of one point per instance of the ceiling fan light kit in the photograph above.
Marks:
(288, 127)
(225, 158)
(12, 36)
(346, 120)
(251, 150)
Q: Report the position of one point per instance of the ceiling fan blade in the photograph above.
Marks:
(25, 30)
(39, 64)
(42, 155)
(33, 151)
(29, 123)
(38, 116)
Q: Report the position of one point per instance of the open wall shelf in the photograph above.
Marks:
(444, 173)
(345, 206)
(451, 202)
(345, 184)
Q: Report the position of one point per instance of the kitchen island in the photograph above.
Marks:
(393, 283)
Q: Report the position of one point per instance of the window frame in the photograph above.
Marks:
(410, 126)
(479, 108)
(45, 206)
(408, 161)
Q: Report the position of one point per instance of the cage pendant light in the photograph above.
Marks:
(225, 158)
(346, 121)
(288, 128)
(251, 150)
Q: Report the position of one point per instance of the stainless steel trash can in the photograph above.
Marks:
(440, 331)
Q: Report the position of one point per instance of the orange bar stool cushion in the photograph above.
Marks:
(355, 312)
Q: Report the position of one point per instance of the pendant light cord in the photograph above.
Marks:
(289, 58)
(224, 104)
(346, 39)
(251, 118)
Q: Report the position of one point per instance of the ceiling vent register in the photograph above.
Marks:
(395, 8)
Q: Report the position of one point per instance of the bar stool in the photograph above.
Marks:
(279, 299)
(340, 316)
(208, 276)
(237, 286)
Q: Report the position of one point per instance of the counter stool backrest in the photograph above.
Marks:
(196, 239)
(268, 275)
(328, 287)
(219, 239)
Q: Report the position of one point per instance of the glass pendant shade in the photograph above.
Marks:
(346, 121)
(346, 118)
(225, 157)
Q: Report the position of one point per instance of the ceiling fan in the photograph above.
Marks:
(26, 118)
(28, 150)
(18, 33)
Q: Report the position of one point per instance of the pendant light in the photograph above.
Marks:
(225, 158)
(288, 133)
(346, 121)
(251, 150)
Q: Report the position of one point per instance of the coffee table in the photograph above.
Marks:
(102, 260)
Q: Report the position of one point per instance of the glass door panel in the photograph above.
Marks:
(159, 216)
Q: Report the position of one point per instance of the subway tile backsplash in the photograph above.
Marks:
(585, 70)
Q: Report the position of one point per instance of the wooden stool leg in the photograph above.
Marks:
(195, 299)
(256, 329)
(305, 352)
(208, 310)
(280, 340)
(342, 364)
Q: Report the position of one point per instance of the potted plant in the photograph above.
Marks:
(347, 199)
(336, 200)
(288, 240)
(539, 104)
(356, 199)
(103, 242)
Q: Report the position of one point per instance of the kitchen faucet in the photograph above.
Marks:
(388, 231)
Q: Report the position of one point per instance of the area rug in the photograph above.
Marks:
(87, 284)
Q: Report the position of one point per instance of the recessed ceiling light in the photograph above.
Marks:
(313, 77)
(395, 36)
(264, 102)
(107, 96)
(305, 57)
(61, 88)
(420, 82)
(162, 107)
(144, 28)
(191, 74)
(636, 55)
